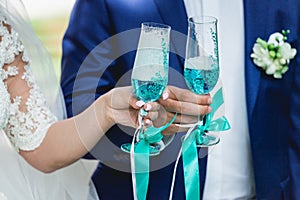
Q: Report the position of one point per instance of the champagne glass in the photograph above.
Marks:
(201, 67)
(150, 71)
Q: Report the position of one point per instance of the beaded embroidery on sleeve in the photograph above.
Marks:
(25, 129)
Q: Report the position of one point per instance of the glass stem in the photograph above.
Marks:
(200, 120)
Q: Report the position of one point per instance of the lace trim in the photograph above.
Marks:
(26, 130)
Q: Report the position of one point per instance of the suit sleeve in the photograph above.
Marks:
(86, 56)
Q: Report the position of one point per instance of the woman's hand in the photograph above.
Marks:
(123, 108)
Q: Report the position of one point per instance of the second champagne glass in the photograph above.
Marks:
(201, 68)
(150, 71)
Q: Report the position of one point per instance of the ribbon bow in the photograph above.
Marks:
(139, 156)
(219, 124)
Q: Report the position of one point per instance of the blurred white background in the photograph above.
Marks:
(48, 8)
(49, 19)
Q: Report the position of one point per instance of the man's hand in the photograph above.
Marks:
(185, 103)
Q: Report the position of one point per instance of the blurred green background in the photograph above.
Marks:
(50, 31)
(49, 19)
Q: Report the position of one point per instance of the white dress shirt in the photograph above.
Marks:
(229, 168)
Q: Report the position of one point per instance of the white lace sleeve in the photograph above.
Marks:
(29, 117)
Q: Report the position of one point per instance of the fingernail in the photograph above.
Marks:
(209, 101)
(147, 121)
(209, 109)
(140, 103)
(148, 107)
(165, 96)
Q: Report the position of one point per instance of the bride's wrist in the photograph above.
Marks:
(107, 110)
(103, 112)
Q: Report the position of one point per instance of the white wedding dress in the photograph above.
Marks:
(25, 130)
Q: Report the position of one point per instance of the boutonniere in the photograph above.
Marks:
(273, 55)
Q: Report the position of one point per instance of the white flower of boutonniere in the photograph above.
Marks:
(273, 56)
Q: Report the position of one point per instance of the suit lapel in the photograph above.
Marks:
(256, 20)
(173, 13)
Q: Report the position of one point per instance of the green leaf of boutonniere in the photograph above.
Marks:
(273, 55)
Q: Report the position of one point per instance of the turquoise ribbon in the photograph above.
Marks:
(219, 124)
(189, 148)
(141, 157)
(190, 167)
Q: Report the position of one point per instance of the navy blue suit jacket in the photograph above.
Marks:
(273, 105)
(94, 62)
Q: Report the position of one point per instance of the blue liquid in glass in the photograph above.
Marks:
(201, 81)
(148, 91)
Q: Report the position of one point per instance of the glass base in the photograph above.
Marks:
(208, 140)
(153, 151)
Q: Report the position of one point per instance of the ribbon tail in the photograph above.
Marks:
(140, 159)
(191, 168)
(141, 171)
(217, 100)
(191, 127)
